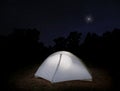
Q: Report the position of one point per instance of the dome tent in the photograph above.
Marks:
(63, 66)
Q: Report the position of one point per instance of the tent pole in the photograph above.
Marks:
(57, 67)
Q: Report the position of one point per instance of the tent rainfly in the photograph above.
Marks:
(63, 66)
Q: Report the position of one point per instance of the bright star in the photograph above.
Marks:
(89, 19)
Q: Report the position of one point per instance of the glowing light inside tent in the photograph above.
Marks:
(63, 66)
(66, 63)
(52, 62)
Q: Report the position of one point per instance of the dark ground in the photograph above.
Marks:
(24, 80)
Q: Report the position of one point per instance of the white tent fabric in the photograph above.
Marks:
(63, 66)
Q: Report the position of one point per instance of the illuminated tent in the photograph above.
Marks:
(63, 66)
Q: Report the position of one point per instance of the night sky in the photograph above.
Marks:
(59, 18)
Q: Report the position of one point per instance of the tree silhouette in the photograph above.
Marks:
(23, 48)
(91, 49)
(60, 44)
(73, 41)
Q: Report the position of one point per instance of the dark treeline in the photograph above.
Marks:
(22, 48)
